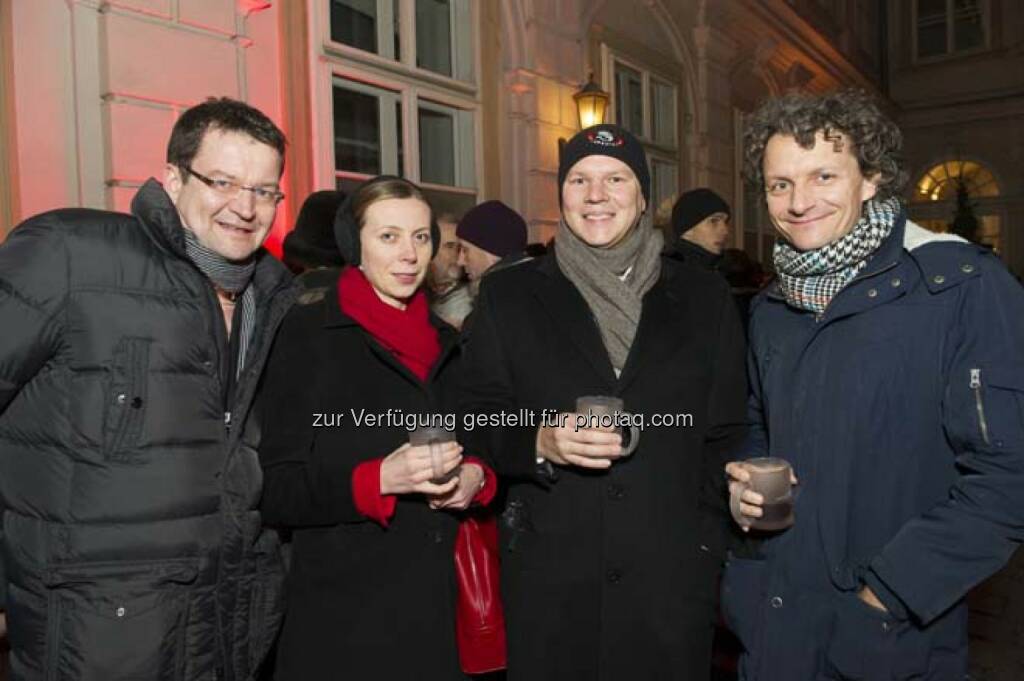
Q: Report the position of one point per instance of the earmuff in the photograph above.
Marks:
(346, 229)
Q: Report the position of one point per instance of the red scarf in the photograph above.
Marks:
(407, 333)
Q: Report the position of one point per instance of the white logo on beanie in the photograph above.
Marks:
(606, 138)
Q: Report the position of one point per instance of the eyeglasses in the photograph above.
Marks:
(229, 189)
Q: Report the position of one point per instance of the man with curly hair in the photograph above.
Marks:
(887, 366)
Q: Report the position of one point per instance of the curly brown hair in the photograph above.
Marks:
(876, 139)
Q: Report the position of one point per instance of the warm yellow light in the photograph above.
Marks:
(591, 103)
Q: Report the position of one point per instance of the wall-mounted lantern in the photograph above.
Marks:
(591, 103)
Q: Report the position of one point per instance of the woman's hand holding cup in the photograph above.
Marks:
(470, 479)
(409, 469)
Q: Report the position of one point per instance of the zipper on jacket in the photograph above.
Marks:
(979, 404)
(227, 421)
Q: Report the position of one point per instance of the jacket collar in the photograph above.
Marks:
(687, 251)
(154, 208)
(887, 255)
(571, 314)
(548, 266)
(158, 214)
(335, 318)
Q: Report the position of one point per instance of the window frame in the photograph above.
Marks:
(609, 57)
(655, 157)
(656, 151)
(951, 52)
(320, 27)
(333, 61)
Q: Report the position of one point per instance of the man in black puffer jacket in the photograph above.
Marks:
(130, 348)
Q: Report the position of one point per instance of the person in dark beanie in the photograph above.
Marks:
(611, 547)
(310, 250)
(700, 227)
(489, 233)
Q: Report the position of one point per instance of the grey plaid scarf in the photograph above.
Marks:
(232, 277)
(811, 279)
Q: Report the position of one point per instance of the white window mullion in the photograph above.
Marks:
(463, 18)
(645, 105)
(385, 22)
(465, 153)
(407, 32)
(389, 133)
(453, 32)
(411, 107)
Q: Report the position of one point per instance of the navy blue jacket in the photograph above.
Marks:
(900, 409)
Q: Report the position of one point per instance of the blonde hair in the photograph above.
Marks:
(381, 190)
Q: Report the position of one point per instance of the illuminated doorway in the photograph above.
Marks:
(935, 199)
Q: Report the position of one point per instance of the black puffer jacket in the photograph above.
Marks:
(131, 539)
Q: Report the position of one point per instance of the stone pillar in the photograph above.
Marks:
(543, 68)
(715, 162)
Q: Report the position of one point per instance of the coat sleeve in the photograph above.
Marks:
(33, 290)
(302, 486)
(487, 389)
(727, 422)
(939, 555)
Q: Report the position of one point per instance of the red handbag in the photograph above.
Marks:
(479, 616)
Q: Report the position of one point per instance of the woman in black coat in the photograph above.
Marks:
(371, 592)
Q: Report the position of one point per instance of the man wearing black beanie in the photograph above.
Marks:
(614, 530)
(488, 234)
(700, 227)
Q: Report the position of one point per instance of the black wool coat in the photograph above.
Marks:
(364, 601)
(609, 574)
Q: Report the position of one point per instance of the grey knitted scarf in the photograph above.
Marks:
(597, 274)
(811, 279)
(231, 277)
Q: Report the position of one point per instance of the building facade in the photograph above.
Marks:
(468, 97)
(955, 74)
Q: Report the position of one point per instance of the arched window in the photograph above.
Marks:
(940, 182)
(935, 198)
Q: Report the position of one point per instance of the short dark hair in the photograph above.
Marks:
(220, 113)
(877, 142)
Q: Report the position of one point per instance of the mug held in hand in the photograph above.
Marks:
(771, 478)
(603, 409)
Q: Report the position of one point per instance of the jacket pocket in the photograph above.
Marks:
(868, 643)
(113, 621)
(997, 391)
(26, 621)
(126, 398)
(742, 593)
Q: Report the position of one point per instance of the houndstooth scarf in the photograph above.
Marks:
(811, 279)
(232, 277)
